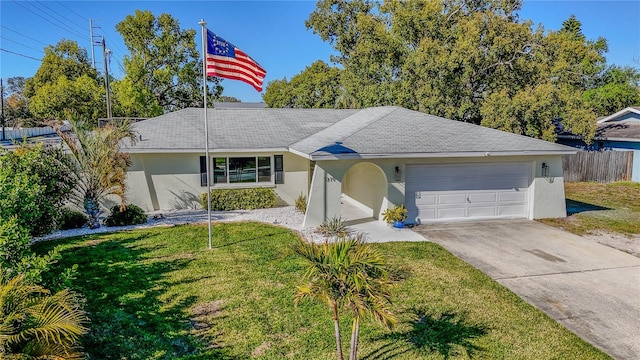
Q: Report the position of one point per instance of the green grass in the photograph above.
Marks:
(161, 294)
(611, 207)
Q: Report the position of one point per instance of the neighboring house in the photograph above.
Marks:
(619, 132)
(375, 158)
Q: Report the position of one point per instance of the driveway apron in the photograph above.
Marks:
(590, 288)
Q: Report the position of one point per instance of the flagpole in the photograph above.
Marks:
(206, 122)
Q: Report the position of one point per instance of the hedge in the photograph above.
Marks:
(240, 199)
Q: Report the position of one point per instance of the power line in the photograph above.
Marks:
(28, 37)
(61, 23)
(62, 16)
(20, 44)
(80, 16)
(23, 55)
(47, 20)
(113, 44)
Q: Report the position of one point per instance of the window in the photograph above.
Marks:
(255, 169)
(242, 170)
(220, 170)
(203, 171)
(264, 169)
(278, 169)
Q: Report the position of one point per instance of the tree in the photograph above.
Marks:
(318, 86)
(99, 165)
(163, 71)
(573, 27)
(64, 81)
(66, 59)
(225, 98)
(82, 95)
(34, 182)
(463, 60)
(615, 89)
(16, 111)
(347, 273)
(35, 324)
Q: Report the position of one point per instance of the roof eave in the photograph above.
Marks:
(192, 150)
(619, 113)
(620, 139)
(441, 155)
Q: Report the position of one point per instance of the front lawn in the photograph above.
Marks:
(592, 207)
(161, 294)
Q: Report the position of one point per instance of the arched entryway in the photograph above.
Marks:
(364, 190)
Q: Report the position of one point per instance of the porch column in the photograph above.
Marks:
(324, 198)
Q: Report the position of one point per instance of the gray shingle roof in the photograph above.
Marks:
(326, 133)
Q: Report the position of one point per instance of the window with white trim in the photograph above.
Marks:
(244, 169)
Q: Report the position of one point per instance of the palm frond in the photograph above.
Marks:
(38, 324)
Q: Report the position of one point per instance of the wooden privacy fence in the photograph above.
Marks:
(598, 166)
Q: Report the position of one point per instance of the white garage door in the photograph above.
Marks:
(467, 191)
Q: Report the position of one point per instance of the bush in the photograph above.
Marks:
(398, 213)
(71, 219)
(16, 257)
(34, 183)
(301, 204)
(240, 199)
(131, 215)
(334, 227)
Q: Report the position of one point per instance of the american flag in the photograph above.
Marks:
(225, 60)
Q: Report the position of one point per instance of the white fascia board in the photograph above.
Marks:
(300, 153)
(620, 139)
(619, 113)
(441, 155)
(197, 151)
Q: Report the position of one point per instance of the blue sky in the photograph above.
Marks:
(272, 32)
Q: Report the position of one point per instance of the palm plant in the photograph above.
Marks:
(346, 273)
(37, 325)
(100, 166)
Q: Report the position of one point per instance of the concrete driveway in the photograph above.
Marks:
(590, 288)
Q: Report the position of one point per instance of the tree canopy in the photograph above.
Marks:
(16, 104)
(318, 86)
(473, 61)
(163, 71)
(65, 81)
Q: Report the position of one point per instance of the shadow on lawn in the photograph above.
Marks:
(132, 316)
(576, 207)
(446, 333)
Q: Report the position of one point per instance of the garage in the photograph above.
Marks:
(443, 192)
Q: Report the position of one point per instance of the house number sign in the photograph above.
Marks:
(331, 179)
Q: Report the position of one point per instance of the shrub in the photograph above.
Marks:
(130, 215)
(398, 213)
(16, 257)
(37, 324)
(334, 227)
(240, 199)
(71, 219)
(34, 183)
(301, 204)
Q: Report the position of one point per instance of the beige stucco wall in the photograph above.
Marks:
(366, 183)
(546, 194)
(164, 181)
(296, 178)
(172, 181)
(327, 186)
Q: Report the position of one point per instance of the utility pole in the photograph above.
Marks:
(106, 78)
(2, 108)
(94, 43)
